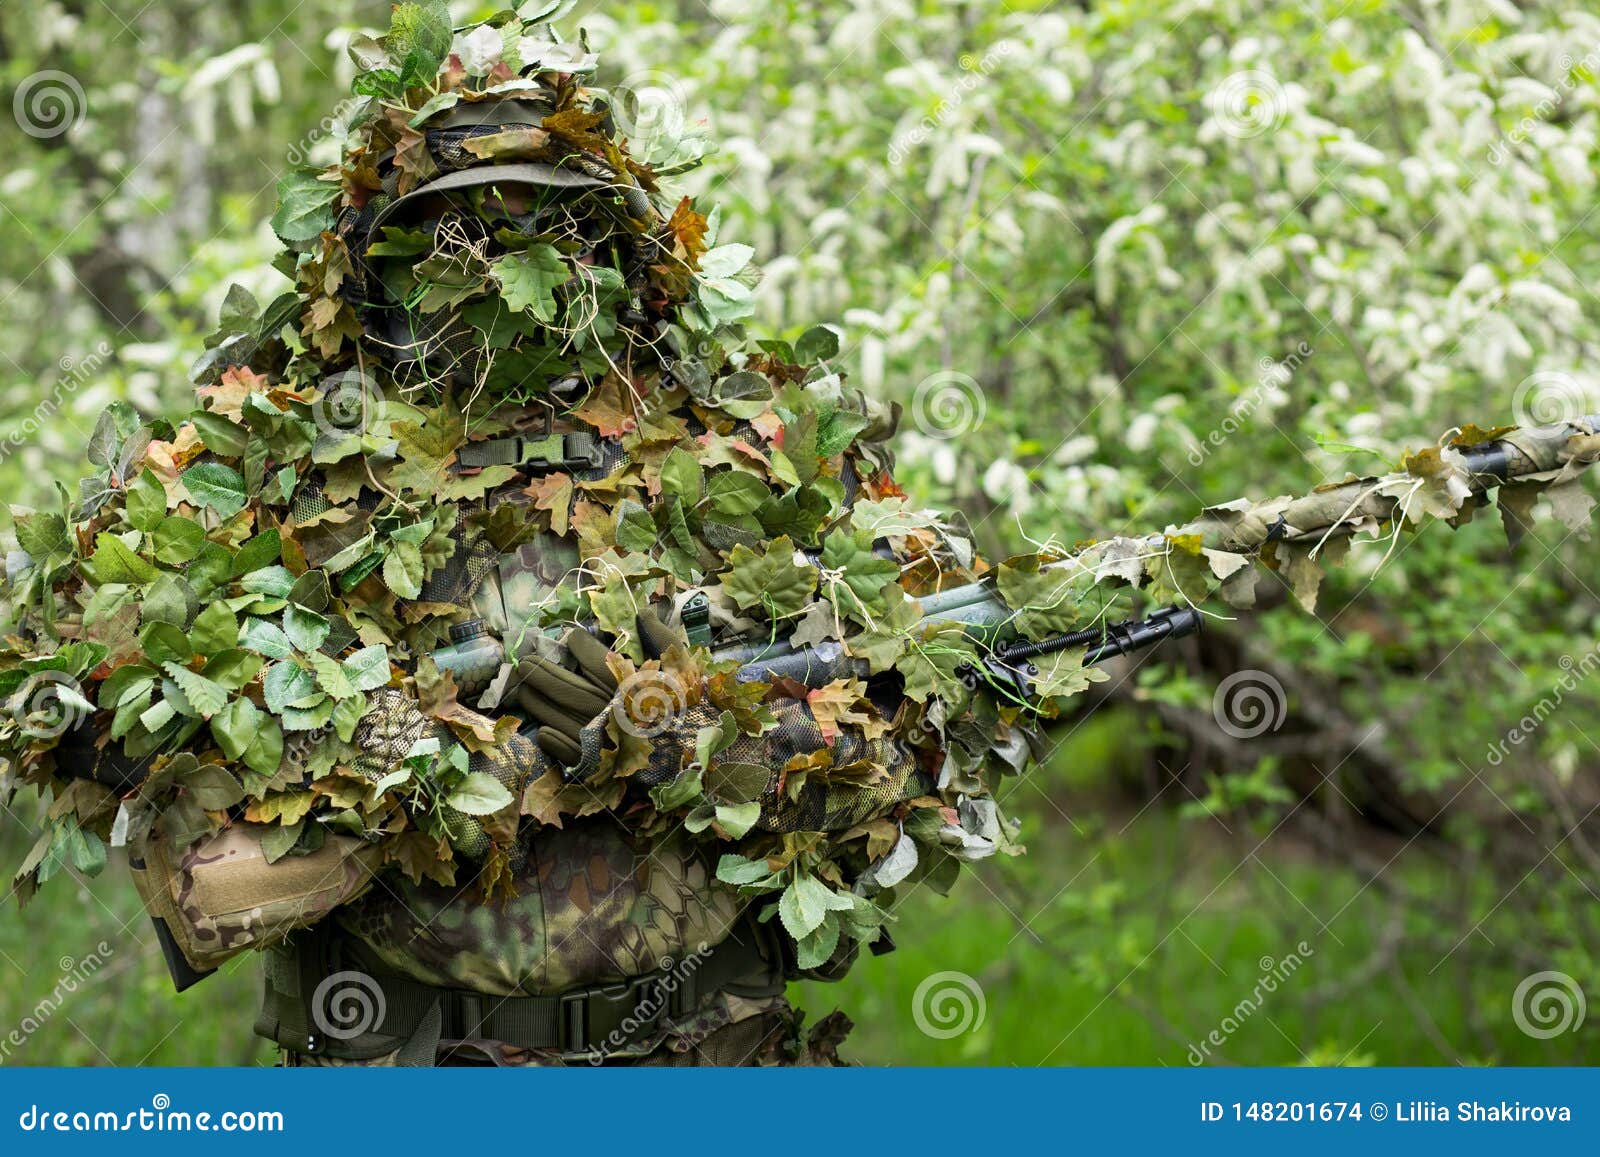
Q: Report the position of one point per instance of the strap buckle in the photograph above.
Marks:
(607, 1018)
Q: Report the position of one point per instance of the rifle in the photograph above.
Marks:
(1328, 511)
(978, 608)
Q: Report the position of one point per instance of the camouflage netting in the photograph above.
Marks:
(509, 393)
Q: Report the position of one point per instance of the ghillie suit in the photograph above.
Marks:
(393, 660)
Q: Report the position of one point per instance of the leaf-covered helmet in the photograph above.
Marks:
(487, 227)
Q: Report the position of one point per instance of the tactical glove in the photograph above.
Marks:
(568, 705)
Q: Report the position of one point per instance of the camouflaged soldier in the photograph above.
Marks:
(487, 290)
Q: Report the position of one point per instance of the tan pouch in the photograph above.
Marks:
(220, 897)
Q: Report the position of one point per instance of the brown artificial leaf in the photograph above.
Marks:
(518, 143)
(841, 701)
(228, 395)
(610, 407)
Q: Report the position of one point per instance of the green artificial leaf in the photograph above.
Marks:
(818, 344)
(305, 206)
(267, 639)
(114, 562)
(736, 870)
(479, 794)
(861, 572)
(168, 600)
(146, 502)
(214, 485)
(234, 727)
(771, 580)
(347, 713)
(330, 676)
(177, 540)
(221, 436)
(399, 241)
(805, 903)
(215, 629)
(290, 685)
(368, 668)
(212, 786)
(1046, 598)
(681, 791)
(266, 747)
(233, 668)
(403, 569)
(165, 643)
(736, 493)
(206, 696)
(736, 819)
(260, 551)
(275, 581)
(681, 476)
(41, 535)
(528, 280)
(636, 530)
(307, 630)
(817, 949)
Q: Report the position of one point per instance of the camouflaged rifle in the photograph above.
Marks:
(1479, 461)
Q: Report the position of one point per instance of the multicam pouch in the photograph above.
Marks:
(220, 896)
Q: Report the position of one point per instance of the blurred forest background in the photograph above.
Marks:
(1121, 259)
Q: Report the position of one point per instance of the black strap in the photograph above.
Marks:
(586, 1022)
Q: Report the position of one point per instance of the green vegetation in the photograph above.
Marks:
(1119, 260)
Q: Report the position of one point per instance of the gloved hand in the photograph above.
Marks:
(567, 704)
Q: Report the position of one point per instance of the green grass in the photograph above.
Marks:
(1123, 937)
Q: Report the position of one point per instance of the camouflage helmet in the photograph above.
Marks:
(489, 226)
